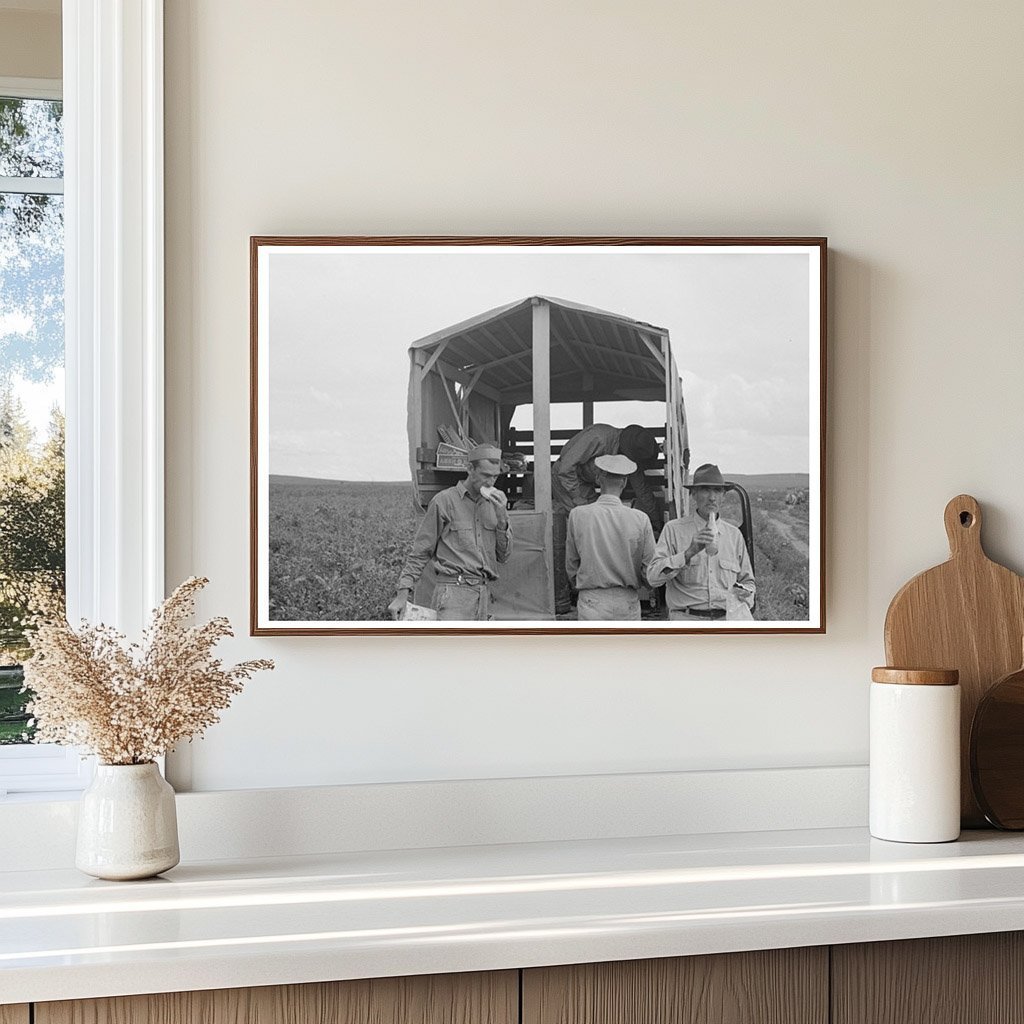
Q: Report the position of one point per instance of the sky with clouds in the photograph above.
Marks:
(32, 265)
(341, 321)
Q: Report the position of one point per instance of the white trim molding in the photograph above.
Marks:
(43, 768)
(256, 823)
(32, 186)
(113, 111)
(31, 88)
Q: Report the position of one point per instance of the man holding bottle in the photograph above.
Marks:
(701, 560)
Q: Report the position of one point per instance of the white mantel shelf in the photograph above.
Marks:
(225, 924)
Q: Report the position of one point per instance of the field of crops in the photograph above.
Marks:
(781, 564)
(336, 549)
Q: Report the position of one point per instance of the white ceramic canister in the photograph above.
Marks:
(915, 755)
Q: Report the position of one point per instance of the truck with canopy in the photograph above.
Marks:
(466, 383)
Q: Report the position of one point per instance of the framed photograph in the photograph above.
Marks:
(537, 435)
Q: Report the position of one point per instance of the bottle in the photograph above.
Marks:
(915, 755)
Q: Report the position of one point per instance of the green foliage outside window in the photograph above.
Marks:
(31, 354)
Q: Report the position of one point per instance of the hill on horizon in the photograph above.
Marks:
(313, 481)
(777, 481)
(772, 481)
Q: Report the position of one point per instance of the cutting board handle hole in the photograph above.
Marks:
(966, 519)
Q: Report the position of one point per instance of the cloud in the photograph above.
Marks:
(341, 323)
(331, 401)
(754, 426)
(336, 453)
(15, 322)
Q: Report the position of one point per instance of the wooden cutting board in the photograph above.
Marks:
(967, 614)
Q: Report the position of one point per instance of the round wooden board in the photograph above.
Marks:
(997, 752)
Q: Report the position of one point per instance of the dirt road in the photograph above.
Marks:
(788, 531)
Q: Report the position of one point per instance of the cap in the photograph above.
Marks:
(617, 464)
(485, 451)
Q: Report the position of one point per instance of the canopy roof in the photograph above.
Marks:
(595, 355)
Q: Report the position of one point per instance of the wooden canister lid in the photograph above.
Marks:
(916, 676)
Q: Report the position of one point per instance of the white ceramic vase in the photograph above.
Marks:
(127, 825)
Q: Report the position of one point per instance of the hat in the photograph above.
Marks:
(639, 444)
(707, 475)
(618, 465)
(485, 451)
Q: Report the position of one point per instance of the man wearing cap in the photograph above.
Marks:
(608, 547)
(574, 478)
(465, 534)
(702, 560)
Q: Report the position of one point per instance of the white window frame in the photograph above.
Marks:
(32, 89)
(114, 337)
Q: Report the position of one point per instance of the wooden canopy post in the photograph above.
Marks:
(542, 428)
(588, 404)
(415, 423)
(672, 496)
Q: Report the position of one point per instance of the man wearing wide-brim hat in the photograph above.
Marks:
(702, 560)
(465, 534)
(608, 547)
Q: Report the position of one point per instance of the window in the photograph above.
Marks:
(31, 382)
(113, 334)
(32, 548)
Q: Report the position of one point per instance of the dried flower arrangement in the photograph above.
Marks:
(129, 704)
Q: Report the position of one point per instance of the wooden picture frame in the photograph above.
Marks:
(378, 362)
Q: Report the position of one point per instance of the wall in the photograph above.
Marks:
(893, 129)
(30, 43)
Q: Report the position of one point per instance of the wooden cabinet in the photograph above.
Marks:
(966, 979)
(963, 979)
(491, 998)
(971, 979)
(777, 986)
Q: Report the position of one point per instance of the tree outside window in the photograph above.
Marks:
(31, 386)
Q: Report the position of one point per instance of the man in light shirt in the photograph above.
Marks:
(465, 535)
(574, 483)
(702, 560)
(608, 547)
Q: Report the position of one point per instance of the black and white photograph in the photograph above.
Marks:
(537, 435)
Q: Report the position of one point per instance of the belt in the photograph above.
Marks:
(704, 613)
(463, 580)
